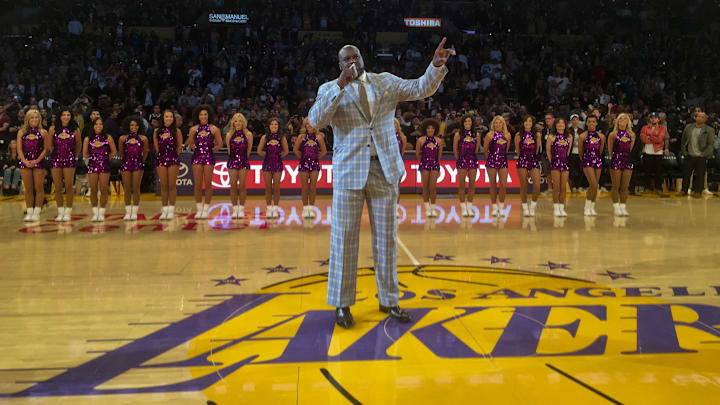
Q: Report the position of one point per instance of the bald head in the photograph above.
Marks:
(346, 48)
(348, 55)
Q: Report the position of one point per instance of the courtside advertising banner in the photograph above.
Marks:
(290, 184)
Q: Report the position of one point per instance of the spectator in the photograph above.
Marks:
(698, 141)
(16, 123)
(156, 113)
(112, 124)
(655, 140)
(4, 127)
(11, 169)
(576, 172)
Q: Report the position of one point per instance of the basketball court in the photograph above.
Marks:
(521, 310)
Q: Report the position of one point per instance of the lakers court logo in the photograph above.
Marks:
(503, 335)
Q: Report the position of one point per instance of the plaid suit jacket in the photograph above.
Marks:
(340, 108)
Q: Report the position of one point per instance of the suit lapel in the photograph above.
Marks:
(378, 88)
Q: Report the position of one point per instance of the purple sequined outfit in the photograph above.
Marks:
(467, 159)
(429, 155)
(133, 154)
(238, 159)
(309, 149)
(63, 156)
(204, 142)
(591, 151)
(167, 148)
(497, 152)
(273, 151)
(621, 156)
(559, 152)
(32, 146)
(527, 156)
(99, 161)
(400, 142)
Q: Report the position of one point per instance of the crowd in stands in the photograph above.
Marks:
(513, 58)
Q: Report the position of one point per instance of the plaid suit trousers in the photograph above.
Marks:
(347, 208)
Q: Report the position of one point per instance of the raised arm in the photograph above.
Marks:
(420, 88)
(326, 103)
(426, 85)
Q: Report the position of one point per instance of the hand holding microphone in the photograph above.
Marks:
(348, 74)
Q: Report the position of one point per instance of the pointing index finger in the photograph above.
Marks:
(440, 46)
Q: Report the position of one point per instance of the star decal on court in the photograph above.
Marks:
(278, 269)
(230, 280)
(438, 256)
(323, 262)
(615, 276)
(554, 266)
(494, 260)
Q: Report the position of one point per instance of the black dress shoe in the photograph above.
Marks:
(396, 312)
(344, 318)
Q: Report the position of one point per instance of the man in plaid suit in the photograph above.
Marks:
(360, 107)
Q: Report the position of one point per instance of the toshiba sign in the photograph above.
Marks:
(423, 22)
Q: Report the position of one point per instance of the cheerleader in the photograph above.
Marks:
(97, 151)
(66, 147)
(168, 141)
(558, 146)
(465, 149)
(33, 143)
(527, 146)
(309, 147)
(133, 151)
(204, 139)
(590, 147)
(428, 150)
(272, 147)
(496, 146)
(620, 143)
(239, 142)
(402, 143)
